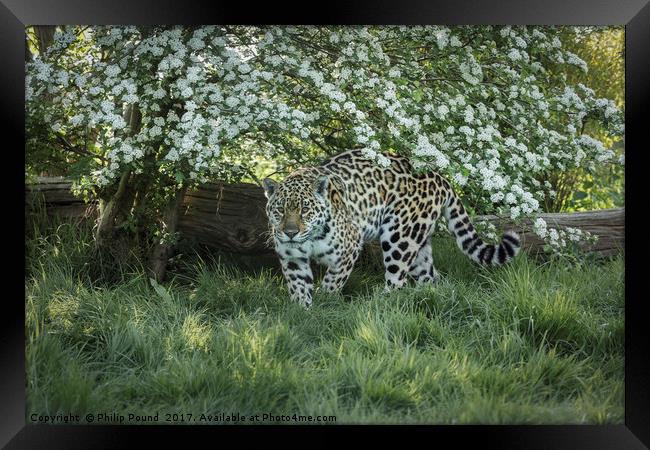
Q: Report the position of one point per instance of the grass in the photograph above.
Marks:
(528, 343)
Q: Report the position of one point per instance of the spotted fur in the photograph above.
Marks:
(326, 213)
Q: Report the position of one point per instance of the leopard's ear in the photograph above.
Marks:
(321, 186)
(329, 188)
(269, 187)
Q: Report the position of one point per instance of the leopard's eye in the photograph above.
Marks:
(304, 210)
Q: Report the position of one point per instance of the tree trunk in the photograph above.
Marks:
(139, 210)
(44, 36)
(104, 232)
(118, 206)
(28, 54)
(163, 248)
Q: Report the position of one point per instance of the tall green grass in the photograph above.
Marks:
(527, 343)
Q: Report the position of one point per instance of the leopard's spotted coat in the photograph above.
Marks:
(327, 212)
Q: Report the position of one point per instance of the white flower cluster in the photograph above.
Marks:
(559, 238)
(470, 70)
(426, 150)
(573, 59)
(480, 107)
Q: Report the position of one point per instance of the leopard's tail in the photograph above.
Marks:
(469, 241)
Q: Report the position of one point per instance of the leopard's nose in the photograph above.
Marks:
(291, 233)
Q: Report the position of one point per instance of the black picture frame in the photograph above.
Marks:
(634, 14)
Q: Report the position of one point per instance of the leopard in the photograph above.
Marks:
(326, 213)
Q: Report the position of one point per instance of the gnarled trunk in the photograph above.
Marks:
(109, 211)
(118, 207)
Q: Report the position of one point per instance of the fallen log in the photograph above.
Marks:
(229, 217)
(232, 218)
(54, 195)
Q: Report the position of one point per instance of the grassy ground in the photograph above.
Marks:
(528, 343)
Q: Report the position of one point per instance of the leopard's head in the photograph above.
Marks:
(297, 207)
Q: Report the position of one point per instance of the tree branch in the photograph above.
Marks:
(76, 149)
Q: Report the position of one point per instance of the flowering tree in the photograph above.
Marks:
(151, 111)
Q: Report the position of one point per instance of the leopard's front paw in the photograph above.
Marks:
(327, 289)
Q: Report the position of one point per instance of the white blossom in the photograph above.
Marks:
(482, 111)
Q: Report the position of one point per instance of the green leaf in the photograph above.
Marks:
(179, 177)
(161, 291)
(579, 195)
